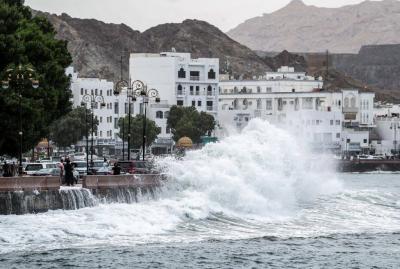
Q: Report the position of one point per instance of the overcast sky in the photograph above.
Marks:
(143, 14)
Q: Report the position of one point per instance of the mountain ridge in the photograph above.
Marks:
(302, 28)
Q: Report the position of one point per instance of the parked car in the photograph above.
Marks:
(135, 167)
(47, 172)
(80, 167)
(31, 168)
(105, 170)
(98, 164)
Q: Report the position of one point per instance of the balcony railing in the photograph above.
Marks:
(194, 78)
(350, 109)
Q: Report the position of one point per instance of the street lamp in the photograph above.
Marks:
(395, 126)
(91, 99)
(135, 89)
(19, 76)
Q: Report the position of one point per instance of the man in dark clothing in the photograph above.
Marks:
(116, 169)
(69, 176)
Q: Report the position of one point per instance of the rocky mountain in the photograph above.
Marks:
(301, 28)
(97, 47)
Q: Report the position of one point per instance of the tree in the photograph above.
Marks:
(26, 40)
(152, 130)
(72, 127)
(187, 121)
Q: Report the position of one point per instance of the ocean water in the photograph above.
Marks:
(258, 199)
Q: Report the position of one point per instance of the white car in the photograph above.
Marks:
(31, 168)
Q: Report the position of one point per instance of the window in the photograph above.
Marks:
(126, 108)
(193, 103)
(337, 122)
(115, 123)
(180, 89)
(159, 114)
(365, 141)
(209, 90)
(337, 135)
(96, 92)
(101, 119)
(81, 91)
(331, 122)
(269, 104)
(293, 90)
(209, 105)
(191, 90)
(269, 90)
(116, 108)
(166, 114)
(179, 103)
(197, 90)
(181, 73)
(101, 133)
(101, 92)
(259, 105)
(258, 89)
(168, 130)
(211, 74)
(198, 103)
(194, 75)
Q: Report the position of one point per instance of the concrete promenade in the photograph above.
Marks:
(23, 195)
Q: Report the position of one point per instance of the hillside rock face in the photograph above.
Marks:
(97, 47)
(375, 65)
(301, 28)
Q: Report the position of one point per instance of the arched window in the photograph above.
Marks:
(181, 73)
(245, 104)
(211, 74)
(180, 91)
(346, 102)
(353, 102)
(235, 104)
(259, 105)
(209, 90)
(159, 114)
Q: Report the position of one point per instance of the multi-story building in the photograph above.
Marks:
(180, 80)
(106, 139)
(296, 101)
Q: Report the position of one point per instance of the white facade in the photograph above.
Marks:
(180, 80)
(388, 129)
(295, 101)
(108, 115)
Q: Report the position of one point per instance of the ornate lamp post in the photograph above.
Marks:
(91, 99)
(134, 90)
(19, 77)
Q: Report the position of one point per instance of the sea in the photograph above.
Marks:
(257, 199)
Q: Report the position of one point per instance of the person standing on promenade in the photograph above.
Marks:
(69, 176)
(116, 169)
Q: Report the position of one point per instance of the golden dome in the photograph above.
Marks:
(184, 142)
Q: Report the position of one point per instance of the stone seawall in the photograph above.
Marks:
(40, 194)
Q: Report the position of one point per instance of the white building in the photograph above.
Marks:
(106, 138)
(388, 129)
(296, 101)
(180, 80)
